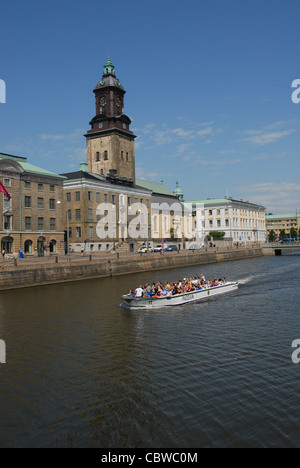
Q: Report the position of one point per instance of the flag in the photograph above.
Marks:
(3, 190)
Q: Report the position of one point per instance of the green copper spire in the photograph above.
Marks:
(178, 192)
(109, 69)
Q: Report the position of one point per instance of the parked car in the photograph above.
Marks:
(194, 247)
(145, 250)
(158, 248)
(172, 248)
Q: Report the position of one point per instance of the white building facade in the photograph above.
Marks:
(242, 222)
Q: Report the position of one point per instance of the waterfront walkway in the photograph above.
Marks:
(11, 263)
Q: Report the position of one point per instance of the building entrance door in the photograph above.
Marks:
(41, 246)
(7, 244)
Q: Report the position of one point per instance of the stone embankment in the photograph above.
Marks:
(21, 275)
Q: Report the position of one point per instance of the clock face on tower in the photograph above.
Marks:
(118, 102)
(103, 101)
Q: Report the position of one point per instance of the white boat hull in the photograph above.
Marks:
(180, 299)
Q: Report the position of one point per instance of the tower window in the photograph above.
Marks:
(97, 156)
(127, 157)
(105, 156)
(122, 155)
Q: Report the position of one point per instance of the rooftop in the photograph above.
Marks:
(159, 189)
(221, 201)
(283, 216)
(27, 167)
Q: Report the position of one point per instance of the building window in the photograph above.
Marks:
(77, 196)
(90, 196)
(7, 183)
(52, 224)
(40, 203)
(40, 187)
(69, 215)
(77, 214)
(27, 202)
(98, 197)
(97, 156)
(40, 224)
(106, 198)
(52, 188)
(52, 246)
(28, 223)
(28, 247)
(114, 199)
(105, 156)
(90, 214)
(27, 185)
(210, 212)
(78, 232)
(7, 223)
(91, 232)
(129, 201)
(122, 155)
(52, 204)
(127, 157)
(68, 197)
(6, 202)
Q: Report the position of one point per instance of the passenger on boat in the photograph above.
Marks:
(178, 287)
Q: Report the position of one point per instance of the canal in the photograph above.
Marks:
(83, 372)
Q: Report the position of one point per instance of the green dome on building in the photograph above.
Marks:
(178, 193)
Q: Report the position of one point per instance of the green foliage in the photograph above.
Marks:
(215, 235)
(272, 236)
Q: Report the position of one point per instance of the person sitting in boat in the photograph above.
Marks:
(132, 293)
(139, 292)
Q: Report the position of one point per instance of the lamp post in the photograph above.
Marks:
(68, 229)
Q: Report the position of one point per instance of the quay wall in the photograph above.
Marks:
(24, 276)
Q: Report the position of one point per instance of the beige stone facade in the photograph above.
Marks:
(105, 213)
(112, 151)
(32, 220)
(284, 222)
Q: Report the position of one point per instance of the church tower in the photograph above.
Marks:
(110, 142)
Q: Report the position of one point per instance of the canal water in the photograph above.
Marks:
(83, 372)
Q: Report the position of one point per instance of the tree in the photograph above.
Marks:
(282, 234)
(294, 233)
(272, 236)
(215, 235)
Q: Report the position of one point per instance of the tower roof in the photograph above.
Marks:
(109, 78)
(178, 192)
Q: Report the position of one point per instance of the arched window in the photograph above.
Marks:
(97, 156)
(28, 247)
(52, 246)
(105, 156)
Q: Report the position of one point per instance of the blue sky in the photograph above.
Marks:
(208, 89)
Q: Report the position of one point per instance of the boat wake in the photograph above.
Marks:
(246, 280)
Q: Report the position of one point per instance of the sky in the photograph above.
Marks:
(208, 89)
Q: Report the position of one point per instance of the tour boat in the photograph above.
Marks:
(149, 302)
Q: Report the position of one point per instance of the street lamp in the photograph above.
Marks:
(68, 229)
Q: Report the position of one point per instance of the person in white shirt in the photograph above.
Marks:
(139, 292)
